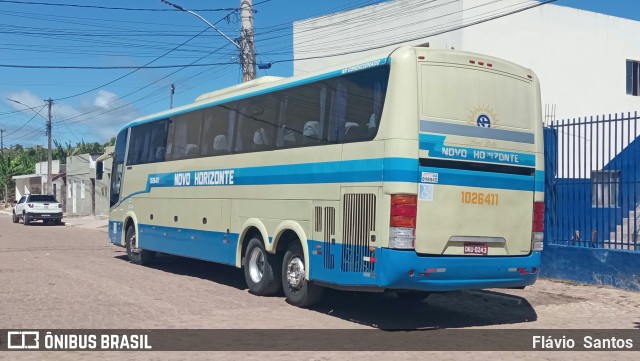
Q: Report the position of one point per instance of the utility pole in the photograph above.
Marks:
(49, 187)
(173, 91)
(247, 46)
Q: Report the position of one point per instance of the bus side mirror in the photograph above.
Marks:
(99, 170)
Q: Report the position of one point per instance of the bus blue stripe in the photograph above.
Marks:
(353, 171)
(437, 149)
(478, 132)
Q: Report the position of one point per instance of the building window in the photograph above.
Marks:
(633, 77)
(605, 187)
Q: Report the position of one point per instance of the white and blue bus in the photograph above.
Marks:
(417, 171)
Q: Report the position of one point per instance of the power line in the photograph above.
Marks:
(125, 75)
(423, 35)
(28, 121)
(102, 7)
(95, 67)
(131, 72)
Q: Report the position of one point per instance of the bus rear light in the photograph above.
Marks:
(480, 63)
(472, 61)
(538, 216)
(537, 235)
(406, 222)
(404, 208)
(402, 237)
(489, 65)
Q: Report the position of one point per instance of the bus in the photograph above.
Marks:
(415, 171)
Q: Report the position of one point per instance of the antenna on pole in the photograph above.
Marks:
(173, 91)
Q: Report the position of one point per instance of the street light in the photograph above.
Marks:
(49, 161)
(247, 50)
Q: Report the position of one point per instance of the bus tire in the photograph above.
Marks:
(261, 269)
(298, 290)
(134, 254)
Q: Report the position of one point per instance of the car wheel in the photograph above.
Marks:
(261, 269)
(26, 219)
(136, 255)
(298, 290)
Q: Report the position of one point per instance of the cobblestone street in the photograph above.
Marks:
(71, 277)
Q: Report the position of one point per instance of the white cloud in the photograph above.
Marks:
(92, 119)
(105, 99)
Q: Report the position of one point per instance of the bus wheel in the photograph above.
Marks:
(261, 269)
(136, 255)
(297, 289)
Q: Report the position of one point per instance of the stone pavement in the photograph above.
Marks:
(71, 277)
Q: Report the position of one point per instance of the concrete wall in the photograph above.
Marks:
(28, 186)
(87, 195)
(617, 268)
(102, 187)
(579, 56)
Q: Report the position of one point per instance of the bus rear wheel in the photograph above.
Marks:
(261, 269)
(136, 255)
(298, 290)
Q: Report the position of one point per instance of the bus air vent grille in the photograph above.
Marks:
(359, 221)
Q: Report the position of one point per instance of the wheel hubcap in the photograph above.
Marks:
(256, 265)
(133, 245)
(295, 273)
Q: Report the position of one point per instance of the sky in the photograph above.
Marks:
(40, 38)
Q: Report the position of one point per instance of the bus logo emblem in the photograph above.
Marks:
(484, 121)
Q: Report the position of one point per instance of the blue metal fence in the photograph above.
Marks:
(593, 182)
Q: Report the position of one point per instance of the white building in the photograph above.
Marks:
(37, 183)
(580, 57)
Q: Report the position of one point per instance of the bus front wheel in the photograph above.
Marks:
(298, 290)
(136, 255)
(261, 269)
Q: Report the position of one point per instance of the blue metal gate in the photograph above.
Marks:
(593, 182)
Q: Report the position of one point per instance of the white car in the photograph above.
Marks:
(33, 207)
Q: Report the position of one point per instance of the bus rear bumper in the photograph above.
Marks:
(406, 270)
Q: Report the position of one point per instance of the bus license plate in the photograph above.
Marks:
(476, 248)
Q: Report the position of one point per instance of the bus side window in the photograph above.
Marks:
(186, 135)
